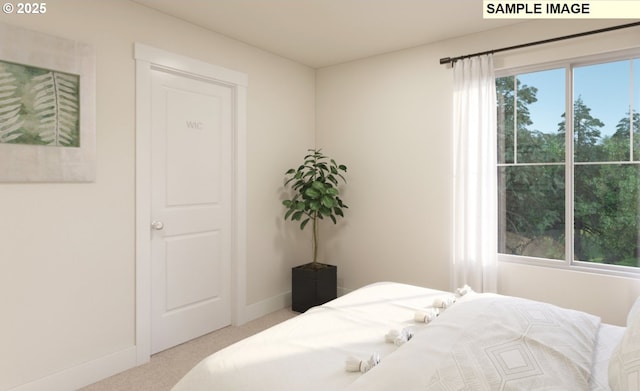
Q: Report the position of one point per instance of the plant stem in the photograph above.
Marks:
(315, 237)
(315, 217)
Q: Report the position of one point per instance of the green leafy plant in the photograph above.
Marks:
(316, 195)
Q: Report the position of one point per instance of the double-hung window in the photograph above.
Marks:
(569, 164)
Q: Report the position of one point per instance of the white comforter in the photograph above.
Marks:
(491, 342)
(481, 342)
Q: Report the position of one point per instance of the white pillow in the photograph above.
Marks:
(624, 365)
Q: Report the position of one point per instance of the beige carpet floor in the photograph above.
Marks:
(166, 368)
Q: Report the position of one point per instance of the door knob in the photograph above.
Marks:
(157, 225)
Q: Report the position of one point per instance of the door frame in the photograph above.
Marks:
(147, 59)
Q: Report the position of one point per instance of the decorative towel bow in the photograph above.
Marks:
(356, 365)
(444, 302)
(426, 315)
(464, 290)
(399, 337)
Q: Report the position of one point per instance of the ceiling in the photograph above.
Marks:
(320, 33)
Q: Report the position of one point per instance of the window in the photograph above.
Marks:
(568, 185)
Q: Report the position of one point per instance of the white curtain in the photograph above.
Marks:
(474, 175)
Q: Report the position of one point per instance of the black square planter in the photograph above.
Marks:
(313, 286)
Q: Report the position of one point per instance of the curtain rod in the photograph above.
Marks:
(450, 60)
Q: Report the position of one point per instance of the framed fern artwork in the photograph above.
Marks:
(40, 106)
(47, 108)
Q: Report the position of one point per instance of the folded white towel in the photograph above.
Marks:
(444, 302)
(354, 364)
(464, 290)
(399, 337)
(426, 315)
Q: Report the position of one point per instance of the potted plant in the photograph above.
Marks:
(315, 197)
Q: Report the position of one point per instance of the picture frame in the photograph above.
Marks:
(47, 108)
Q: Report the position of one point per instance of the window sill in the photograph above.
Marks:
(577, 266)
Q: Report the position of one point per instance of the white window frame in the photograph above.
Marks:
(567, 263)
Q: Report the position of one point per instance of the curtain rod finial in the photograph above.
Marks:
(445, 60)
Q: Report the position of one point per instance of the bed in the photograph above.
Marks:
(396, 336)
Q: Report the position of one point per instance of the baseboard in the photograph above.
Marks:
(264, 307)
(84, 374)
(275, 303)
(343, 291)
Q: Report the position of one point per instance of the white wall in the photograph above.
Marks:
(389, 119)
(384, 118)
(67, 250)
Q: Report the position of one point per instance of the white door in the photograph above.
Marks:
(191, 188)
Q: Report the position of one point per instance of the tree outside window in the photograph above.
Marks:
(598, 178)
